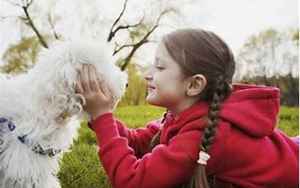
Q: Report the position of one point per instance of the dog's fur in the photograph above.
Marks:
(44, 106)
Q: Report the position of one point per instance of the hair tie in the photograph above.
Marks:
(203, 158)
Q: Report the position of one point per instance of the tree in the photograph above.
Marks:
(43, 21)
(136, 91)
(269, 53)
(271, 58)
(27, 19)
(139, 35)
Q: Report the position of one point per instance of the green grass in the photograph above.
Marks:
(289, 120)
(81, 168)
(138, 116)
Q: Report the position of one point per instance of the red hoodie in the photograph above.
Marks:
(247, 150)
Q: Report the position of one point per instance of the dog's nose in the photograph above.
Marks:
(127, 85)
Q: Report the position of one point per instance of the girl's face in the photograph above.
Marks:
(165, 81)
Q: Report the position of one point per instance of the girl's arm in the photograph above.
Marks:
(166, 166)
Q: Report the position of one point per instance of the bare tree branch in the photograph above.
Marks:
(137, 46)
(111, 33)
(29, 2)
(25, 4)
(144, 40)
(50, 20)
(121, 14)
(117, 50)
(31, 24)
(120, 27)
(114, 29)
(163, 13)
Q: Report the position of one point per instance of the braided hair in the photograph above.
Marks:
(223, 89)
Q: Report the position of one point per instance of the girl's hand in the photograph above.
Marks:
(96, 93)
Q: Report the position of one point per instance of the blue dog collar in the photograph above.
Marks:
(37, 148)
(10, 125)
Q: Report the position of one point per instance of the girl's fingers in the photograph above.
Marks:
(78, 85)
(93, 79)
(104, 88)
(84, 78)
(100, 85)
(90, 82)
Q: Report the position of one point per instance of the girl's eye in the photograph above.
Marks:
(159, 67)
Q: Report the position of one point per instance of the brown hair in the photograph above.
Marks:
(203, 52)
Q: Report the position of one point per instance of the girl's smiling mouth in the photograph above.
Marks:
(150, 87)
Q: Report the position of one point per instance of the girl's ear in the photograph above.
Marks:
(195, 85)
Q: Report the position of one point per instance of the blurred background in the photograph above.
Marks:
(263, 34)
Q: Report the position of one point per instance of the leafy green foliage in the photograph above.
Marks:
(137, 33)
(136, 91)
(21, 56)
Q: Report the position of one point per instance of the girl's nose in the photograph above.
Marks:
(148, 75)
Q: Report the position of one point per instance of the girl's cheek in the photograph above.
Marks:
(156, 75)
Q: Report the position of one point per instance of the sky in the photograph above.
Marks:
(236, 20)
(233, 20)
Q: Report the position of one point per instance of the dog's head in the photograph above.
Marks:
(55, 74)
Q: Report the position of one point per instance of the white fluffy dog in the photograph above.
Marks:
(40, 112)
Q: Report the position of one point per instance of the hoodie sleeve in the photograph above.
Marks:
(138, 139)
(166, 166)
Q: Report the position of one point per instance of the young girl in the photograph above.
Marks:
(214, 133)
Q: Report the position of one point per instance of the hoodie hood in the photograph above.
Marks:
(252, 109)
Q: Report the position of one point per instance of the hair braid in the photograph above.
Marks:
(221, 91)
(156, 137)
(155, 140)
